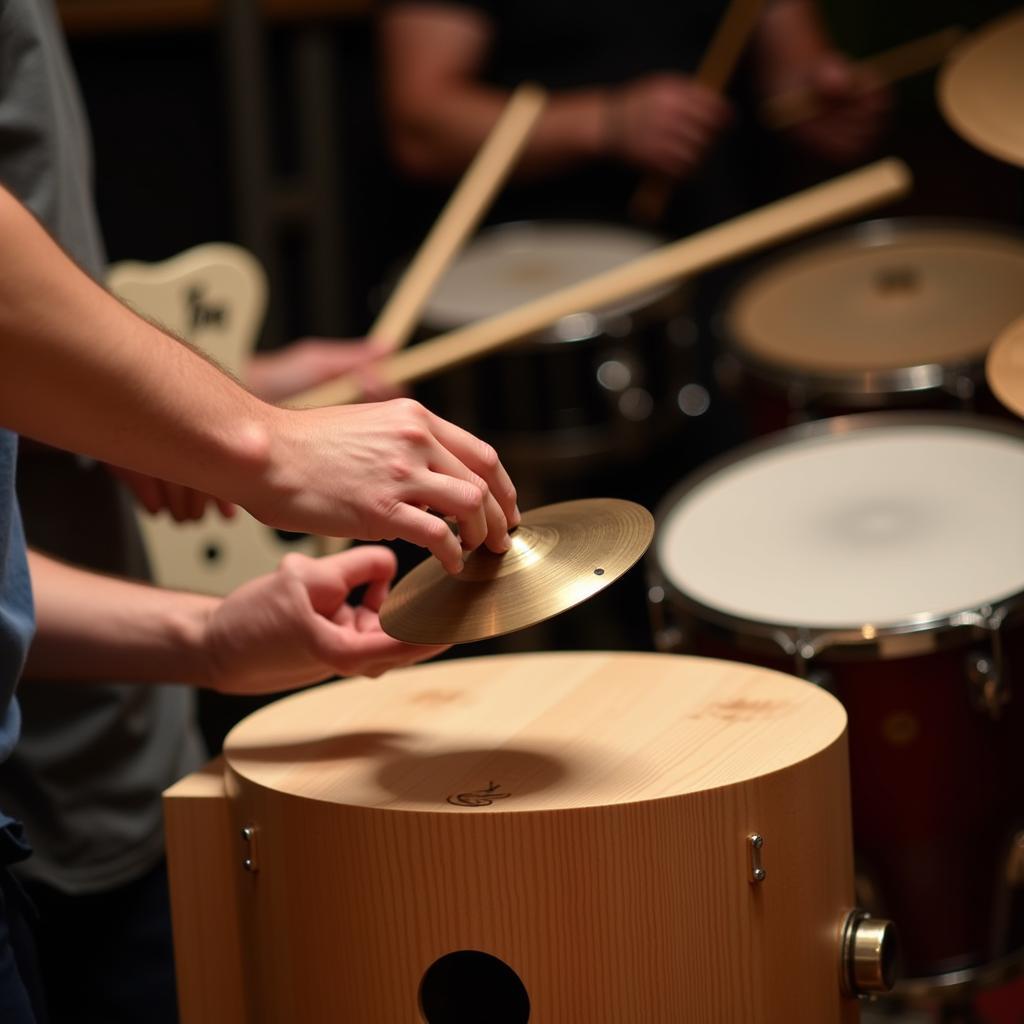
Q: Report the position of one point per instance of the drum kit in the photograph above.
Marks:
(620, 837)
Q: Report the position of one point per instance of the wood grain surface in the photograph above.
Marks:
(583, 817)
(203, 854)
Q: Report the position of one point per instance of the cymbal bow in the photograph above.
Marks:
(981, 88)
(1004, 367)
(561, 556)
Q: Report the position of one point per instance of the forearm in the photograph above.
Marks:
(81, 371)
(436, 136)
(92, 627)
(440, 111)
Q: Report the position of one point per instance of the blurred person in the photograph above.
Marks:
(624, 99)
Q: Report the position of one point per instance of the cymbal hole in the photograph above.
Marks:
(599, 572)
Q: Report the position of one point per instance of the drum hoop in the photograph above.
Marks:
(915, 635)
(668, 301)
(821, 384)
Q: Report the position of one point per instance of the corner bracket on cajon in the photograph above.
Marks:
(552, 838)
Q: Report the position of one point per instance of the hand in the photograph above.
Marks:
(372, 471)
(275, 376)
(293, 627)
(852, 105)
(665, 123)
(183, 503)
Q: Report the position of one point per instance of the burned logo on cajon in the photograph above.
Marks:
(479, 797)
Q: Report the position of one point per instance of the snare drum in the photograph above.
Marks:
(599, 383)
(883, 557)
(894, 313)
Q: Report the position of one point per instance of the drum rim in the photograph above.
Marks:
(671, 299)
(915, 635)
(898, 380)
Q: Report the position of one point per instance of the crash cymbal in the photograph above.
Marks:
(981, 89)
(561, 555)
(1005, 367)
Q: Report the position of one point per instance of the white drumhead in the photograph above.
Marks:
(508, 265)
(878, 526)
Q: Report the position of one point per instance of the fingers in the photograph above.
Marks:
(482, 459)
(372, 652)
(493, 528)
(329, 581)
(146, 490)
(430, 532)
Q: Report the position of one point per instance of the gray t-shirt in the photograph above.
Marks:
(87, 774)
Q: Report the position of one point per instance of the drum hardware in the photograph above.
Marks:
(757, 871)
(250, 862)
(561, 555)
(962, 386)
(868, 954)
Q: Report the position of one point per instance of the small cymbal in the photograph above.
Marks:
(1004, 367)
(981, 89)
(561, 555)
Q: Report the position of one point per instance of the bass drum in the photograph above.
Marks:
(600, 384)
(882, 556)
(890, 314)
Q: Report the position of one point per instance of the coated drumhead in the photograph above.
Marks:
(880, 526)
(535, 732)
(511, 264)
(885, 298)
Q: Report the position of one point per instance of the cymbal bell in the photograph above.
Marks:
(981, 89)
(1004, 367)
(561, 555)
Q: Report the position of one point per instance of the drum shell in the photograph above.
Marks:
(772, 400)
(937, 791)
(607, 914)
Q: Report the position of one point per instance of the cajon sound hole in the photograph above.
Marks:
(467, 987)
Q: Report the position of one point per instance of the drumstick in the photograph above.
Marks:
(842, 197)
(716, 68)
(790, 108)
(459, 218)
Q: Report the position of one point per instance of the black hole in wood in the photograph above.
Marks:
(469, 987)
(212, 553)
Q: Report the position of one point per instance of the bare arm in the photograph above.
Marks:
(440, 112)
(81, 371)
(793, 51)
(287, 629)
